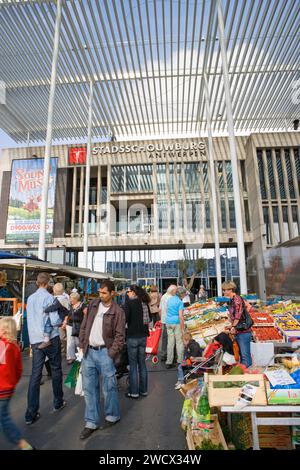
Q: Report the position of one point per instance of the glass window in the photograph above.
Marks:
(220, 178)
(247, 215)
(289, 173)
(92, 221)
(179, 170)
(280, 175)
(162, 216)
(223, 214)
(172, 178)
(231, 213)
(194, 215)
(132, 182)
(146, 177)
(192, 177)
(267, 224)
(117, 179)
(205, 176)
(271, 174)
(276, 224)
(297, 163)
(285, 223)
(243, 173)
(296, 228)
(161, 178)
(207, 214)
(261, 175)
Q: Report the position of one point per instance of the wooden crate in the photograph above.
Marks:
(194, 438)
(228, 396)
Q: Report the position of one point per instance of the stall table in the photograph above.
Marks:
(259, 421)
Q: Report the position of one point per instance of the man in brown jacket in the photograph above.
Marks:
(102, 336)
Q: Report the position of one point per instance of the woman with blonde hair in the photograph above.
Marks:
(73, 323)
(10, 374)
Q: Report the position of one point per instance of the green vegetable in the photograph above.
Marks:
(207, 444)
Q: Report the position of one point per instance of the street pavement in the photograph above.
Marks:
(150, 423)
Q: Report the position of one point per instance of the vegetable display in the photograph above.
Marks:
(266, 334)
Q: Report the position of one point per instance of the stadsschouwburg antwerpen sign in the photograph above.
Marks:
(156, 151)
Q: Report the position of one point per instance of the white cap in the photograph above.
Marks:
(74, 290)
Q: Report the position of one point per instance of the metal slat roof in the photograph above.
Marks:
(147, 60)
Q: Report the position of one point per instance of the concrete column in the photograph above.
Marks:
(73, 213)
(267, 185)
(82, 177)
(212, 180)
(233, 153)
(44, 202)
(87, 179)
(99, 202)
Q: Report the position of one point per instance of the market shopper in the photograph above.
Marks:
(236, 308)
(163, 342)
(36, 305)
(61, 305)
(137, 317)
(10, 374)
(191, 350)
(175, 326)
(72, 323)
(154, 304)
(101, 339)
(202, 295)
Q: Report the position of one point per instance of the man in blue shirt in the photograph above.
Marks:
(175, 326)
(36, 304)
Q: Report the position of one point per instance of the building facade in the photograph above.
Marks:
(150, 205)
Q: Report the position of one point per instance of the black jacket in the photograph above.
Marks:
(192, 350)
(134, 319)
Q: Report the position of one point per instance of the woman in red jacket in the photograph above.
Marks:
(10, 374)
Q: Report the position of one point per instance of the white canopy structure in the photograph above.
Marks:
(147, 61)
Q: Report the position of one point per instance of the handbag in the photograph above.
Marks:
(245, 322)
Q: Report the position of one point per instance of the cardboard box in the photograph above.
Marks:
(229, 394)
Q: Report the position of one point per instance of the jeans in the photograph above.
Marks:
(98, 364)
(243, 340)
(72, 343)
(163, 342)
(48, 328)
(174, 336)
(38, 360)
(180, 374)
(138, 374)
(10, 430)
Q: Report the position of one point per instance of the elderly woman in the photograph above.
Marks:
(236, 309)
(73, 323)
(175, 326)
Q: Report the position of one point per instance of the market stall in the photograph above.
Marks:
(268, 392)
(22, 272)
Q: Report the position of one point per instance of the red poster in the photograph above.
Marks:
(77, 156)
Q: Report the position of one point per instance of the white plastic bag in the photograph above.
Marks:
(78, 388)
(261, 353)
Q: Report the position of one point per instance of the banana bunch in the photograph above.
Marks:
(291, 364)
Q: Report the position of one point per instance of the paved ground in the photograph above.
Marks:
(147, 423)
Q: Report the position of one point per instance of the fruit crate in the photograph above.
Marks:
(224, 390)
(195, 438)
(258, 338)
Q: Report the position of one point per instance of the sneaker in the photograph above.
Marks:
(64, 403)
(32, 420)
(86, 432)
(44, 345)
(143, 394)
(170, 366)
(178, 385)
(108, 424)
(129, 395)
